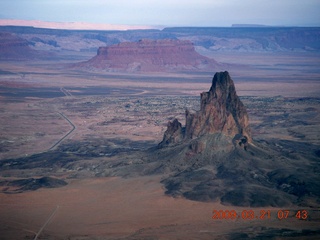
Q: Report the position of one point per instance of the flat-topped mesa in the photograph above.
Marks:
(221, 111)
(148, 47)
(150, 55)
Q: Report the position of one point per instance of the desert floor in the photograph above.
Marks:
(136, 208)
(45, 106)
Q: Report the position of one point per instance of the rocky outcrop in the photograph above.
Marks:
(221, 111)
(31, 184)
(212, 158)
(149, 56)
(173, 134)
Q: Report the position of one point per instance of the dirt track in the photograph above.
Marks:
(67, 134)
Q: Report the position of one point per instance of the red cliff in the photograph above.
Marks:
(150, 56)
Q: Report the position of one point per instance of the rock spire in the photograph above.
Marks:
(221, 111)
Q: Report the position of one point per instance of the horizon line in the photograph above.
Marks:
(115, 27)
(73, 25)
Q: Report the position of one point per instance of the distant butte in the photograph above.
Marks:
(150, 56)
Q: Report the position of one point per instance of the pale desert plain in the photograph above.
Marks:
(85, 120)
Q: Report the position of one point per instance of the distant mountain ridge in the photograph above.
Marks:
(251, 39)
(69, 25)
(249, 25)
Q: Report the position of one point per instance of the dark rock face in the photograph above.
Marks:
(173, 134)
(221, 112)
(150, 56)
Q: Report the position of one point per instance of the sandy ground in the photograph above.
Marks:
(109, 208)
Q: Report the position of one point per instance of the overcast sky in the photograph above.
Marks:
(167, 12)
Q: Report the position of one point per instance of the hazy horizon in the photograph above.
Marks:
(165, 13)
(107, 27)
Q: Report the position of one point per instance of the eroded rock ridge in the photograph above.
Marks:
(13, 47)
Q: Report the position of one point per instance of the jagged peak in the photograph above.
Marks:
(221, 112)
(221, 79)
